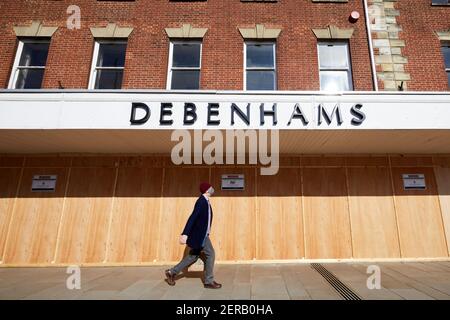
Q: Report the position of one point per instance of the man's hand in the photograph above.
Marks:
(183, 239)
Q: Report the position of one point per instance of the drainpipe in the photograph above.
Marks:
(369, 37)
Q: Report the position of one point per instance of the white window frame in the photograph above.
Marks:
(170, 67)
(94, 67)
(274, 47)
(349, 70)
(16, 67)
(447, 68)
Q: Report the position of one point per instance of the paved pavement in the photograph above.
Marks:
(407, 280)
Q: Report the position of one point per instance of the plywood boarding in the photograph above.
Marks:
(280, 218)
(372, 213)
(135, 221)
(11, 161)
(95, 161)
(234, 227)
(33, 233)
(411, 161)
(9, 180)
(419, 218)
(87, 211)
(48, 161)
(265, 221)
(367, 161)
(180, 191)
(443, 183)
(326, 216)
(442, 161)
(322, 161)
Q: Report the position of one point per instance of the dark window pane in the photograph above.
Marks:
(186, 55)
(186, 79)
(440, 1)
(111, 55)
(448, 76)
(109, 79)
(446, 53)
(260, 56)
(29, 79)
(260, 80)
(34, 54)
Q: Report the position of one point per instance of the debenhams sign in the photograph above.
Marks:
(170, 111)
(250, 115)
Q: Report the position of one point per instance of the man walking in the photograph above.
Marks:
(196, 236)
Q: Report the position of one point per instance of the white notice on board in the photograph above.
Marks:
(414, 181)
(233, 182)
(43, 183)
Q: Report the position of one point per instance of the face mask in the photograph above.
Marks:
(211, 190)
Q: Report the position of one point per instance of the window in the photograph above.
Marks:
(29, 65)
(260, 69)
(447, 2)
(446, 53)
(184, 65)
(108, 65)
(334, 65)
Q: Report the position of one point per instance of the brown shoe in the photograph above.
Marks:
(170, 278)
(213, 285)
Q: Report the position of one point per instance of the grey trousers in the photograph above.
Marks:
(208, 250)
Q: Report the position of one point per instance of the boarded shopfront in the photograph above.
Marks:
(106, 195)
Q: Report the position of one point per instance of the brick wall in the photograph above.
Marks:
(406, 47)
(70, 53)
(420, 21)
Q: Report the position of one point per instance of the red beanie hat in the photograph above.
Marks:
(204, 186)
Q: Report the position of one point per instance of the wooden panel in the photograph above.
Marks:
(327, 223)
(135, 221)
(47, 162)
(234, 228)
(280, 221)
(36, 219)
(11, 161)
(443, 183)
(286, 161)
(142, 161)
(374, 161)
(95, 161)
(442, 161)
(411, 161)
(372, 213)
(322, 161)
(419, 217)
(86, 216)
(180, 191)
(9, 179)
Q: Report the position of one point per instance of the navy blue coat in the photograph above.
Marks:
(197, 224)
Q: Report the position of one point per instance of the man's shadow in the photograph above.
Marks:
(192, 274)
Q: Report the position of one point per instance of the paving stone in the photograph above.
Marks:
(399, 280)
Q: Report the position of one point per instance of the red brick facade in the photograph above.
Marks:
(70, 54)
(420, 21)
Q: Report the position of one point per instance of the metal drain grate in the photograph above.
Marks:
(340, 287)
